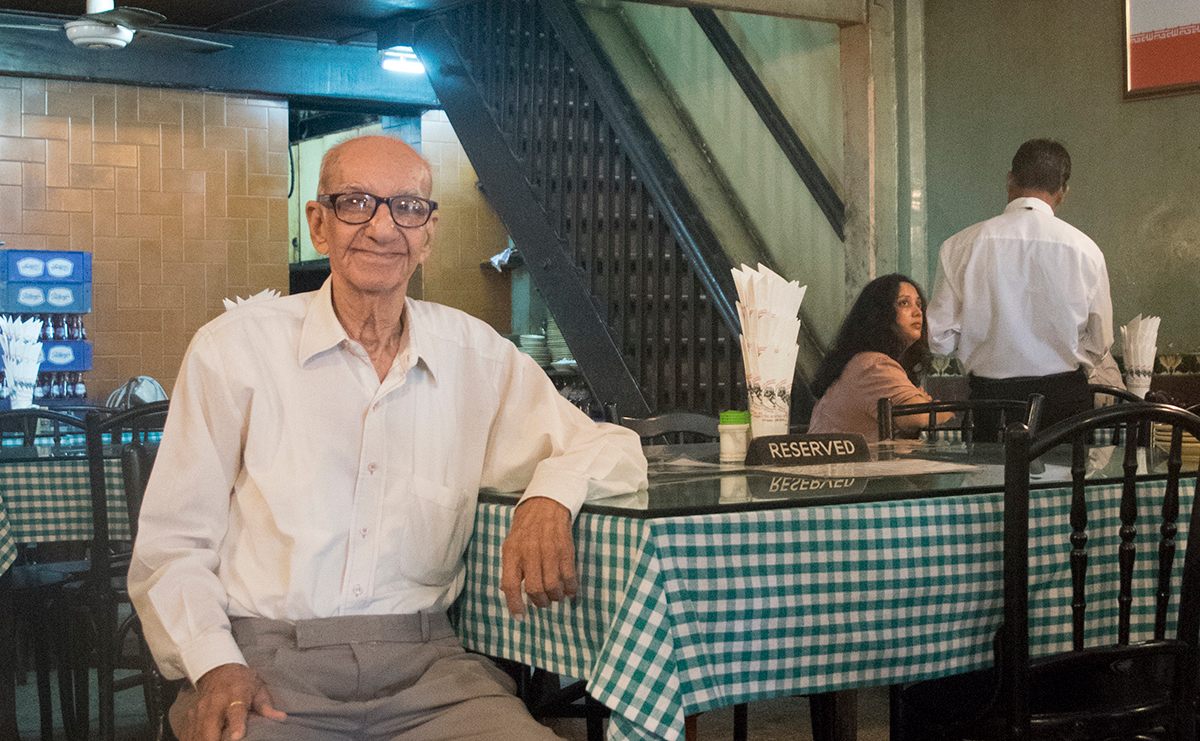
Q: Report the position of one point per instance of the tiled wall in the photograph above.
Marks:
(468, 234)
(180, 196)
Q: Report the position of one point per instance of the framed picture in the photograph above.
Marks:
(1162, 47)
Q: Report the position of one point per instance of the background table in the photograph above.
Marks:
(679, 613)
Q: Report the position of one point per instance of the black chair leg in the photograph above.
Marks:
(106, 651)
(834, 715)
(740, 721)
(41, 663)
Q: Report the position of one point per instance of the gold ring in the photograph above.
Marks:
(236, 702)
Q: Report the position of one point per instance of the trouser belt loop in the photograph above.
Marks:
(424, 626)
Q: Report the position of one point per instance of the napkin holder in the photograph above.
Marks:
(807, 449)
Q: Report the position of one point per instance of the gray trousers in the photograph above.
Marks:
(375, 677)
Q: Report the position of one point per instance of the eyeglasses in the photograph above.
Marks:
(359, 208)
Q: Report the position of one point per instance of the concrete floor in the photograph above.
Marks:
(769, 720)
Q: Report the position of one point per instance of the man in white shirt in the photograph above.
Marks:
(303, 531)
(1023, 297)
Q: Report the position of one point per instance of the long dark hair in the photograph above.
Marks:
(871, 327)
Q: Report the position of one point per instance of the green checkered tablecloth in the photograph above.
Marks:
(49, 500)
(677, 615)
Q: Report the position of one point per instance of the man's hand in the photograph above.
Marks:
(540, 552)
(226, 695)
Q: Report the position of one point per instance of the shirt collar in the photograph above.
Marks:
(322, 331)
(1036, 204)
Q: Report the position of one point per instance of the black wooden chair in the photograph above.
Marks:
(1103, 395)
(107, 634)
(984, 418)
(1109, 686)
(34, 584)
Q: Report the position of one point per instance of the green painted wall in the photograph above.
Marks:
(999, 72)
(798, 61)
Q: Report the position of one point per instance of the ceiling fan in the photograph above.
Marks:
(105, 26)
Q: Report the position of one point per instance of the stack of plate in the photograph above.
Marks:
(555, 342)
(1189, 446)
(534, 345)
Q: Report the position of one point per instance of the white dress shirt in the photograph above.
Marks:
(291, 483)
(1021, 294)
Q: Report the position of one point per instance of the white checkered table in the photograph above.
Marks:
(48, 499)
(681, 613)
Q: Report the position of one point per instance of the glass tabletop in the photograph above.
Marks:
(688, 480)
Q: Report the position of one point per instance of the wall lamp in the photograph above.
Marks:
(400, 59)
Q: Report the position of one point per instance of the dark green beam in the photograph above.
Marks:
(257, 65)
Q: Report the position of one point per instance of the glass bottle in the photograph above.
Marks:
(56, 386)
(60, 327)
(42, 387)
(80, 386)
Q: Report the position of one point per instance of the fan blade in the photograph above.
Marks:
(135, 18)
(178, 41)
(32, 27)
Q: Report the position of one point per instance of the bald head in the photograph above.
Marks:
(340, 163)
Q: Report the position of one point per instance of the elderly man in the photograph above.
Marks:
(303, 531)
(1023, 297)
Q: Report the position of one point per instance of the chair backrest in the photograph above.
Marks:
(673, 427)
(972, 415)
(1179, 651)
(109, 435)
(29, 427)
(137, 460)
(1103, 395)
(1112, 394)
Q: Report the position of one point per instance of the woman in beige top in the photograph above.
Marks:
(881, 350)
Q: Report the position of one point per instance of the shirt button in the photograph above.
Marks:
(358, 591)
(363, 532)
(376, 405)
(372, 467)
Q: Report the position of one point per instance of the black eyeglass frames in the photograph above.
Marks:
(359, 208)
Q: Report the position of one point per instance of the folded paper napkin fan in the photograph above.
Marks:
(262, 295)
(20, 343)
(768, 307)
(1139, 340)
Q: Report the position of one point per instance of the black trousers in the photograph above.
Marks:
(1066, 395)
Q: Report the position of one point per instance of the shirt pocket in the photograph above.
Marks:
(434, 525)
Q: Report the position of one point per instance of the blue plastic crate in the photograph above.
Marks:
(45, 266)
(64, 355)
(45, 298)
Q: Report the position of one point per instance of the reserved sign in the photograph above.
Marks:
(803, 450)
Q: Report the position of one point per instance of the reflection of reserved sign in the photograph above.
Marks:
(781, 484)
(803, 450)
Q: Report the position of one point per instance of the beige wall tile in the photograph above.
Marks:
(58, 165)
(33, 186)
(16, 149)
(10, 212)
(42, 127)
(10, 173)
(267, 185)
(121, 155)
(46, 222)
(10, 112)
(91, 176)
(81, 142)
(224, 137)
